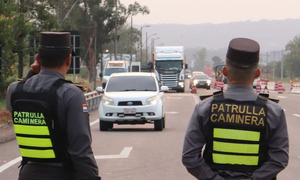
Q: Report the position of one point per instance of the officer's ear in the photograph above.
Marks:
(224, 71)
(68, 60)
(257, 74)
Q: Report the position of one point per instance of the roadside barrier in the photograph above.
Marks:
(296, 88)
(292, 86)
(93, 99)
(280, 88)
(276, 86)
(258, 86)
(271, 86)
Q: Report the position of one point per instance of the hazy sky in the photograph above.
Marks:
(214, 11)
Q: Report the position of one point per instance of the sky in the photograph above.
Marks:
(214, 11)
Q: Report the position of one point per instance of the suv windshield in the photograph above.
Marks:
(131, 83)
(109, 71)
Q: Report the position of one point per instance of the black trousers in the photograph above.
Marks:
(44, 172)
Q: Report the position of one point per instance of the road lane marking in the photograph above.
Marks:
(174, 97)
(94, 122)
(297, 115)
(124, 154)
(196, 99)
(282, 97)
(9, 164)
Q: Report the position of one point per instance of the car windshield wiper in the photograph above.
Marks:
(148, 90)
(129, 90)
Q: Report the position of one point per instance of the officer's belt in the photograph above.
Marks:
(45, 163)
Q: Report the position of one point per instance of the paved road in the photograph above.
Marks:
(138, 152)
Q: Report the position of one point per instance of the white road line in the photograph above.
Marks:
(282, 97)
(94, 122)
(124, 154)
(297, 115)
(196, 98)
(18, 159)
(174, 97)
(9, 164)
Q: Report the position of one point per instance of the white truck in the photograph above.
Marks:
(114, 67)
(169, 66)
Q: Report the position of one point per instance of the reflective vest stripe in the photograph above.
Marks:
(235, 159)
(236, 134)
(235, 147)
(31, 130)
(34, 153)
(34, 142)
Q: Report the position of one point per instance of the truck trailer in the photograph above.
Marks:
(169, 66)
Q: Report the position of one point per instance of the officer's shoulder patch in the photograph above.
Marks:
(85, 108)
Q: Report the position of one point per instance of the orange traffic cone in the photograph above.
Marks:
(194, 89)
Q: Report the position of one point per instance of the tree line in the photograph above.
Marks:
(98, 22)
(286, 65)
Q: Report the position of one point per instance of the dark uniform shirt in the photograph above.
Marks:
(197, 132)
(72, 120)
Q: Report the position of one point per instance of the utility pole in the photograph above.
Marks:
(130, 40)
(116, 29)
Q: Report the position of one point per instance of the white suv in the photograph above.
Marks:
(132, 98)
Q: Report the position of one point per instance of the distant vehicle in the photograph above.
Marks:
(135, 67)
(132, 98)
(114, 67)
(200, 81)
(197, 72)
(169, 65)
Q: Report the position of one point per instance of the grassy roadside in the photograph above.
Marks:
(2, 103)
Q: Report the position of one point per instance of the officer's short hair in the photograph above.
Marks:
(54, 49)
(241, 74)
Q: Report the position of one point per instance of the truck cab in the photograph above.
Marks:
(111, 67)
(169, 66)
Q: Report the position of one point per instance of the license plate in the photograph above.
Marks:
(129, 111)
(202, 83)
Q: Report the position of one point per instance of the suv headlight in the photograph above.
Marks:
(208, 82)
(107, 101)
(152, 101)
(195, 81)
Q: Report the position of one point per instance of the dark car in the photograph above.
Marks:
(200, 81)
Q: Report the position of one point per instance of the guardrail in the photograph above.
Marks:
(93, 99)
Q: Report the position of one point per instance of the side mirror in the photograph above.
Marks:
(164, 88)
(99, 89)
(186, 66)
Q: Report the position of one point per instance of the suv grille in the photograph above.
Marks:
(130, 103)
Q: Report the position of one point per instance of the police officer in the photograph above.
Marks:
(50, 117)
(243, 135)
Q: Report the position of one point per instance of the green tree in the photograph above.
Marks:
(101, 20)
(200, 57)
(217, 60)
(292, 59)
(7, 14)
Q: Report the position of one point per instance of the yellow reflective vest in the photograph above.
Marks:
(236, 134)
(36, 126)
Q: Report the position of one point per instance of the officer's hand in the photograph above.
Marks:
(35, 67)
